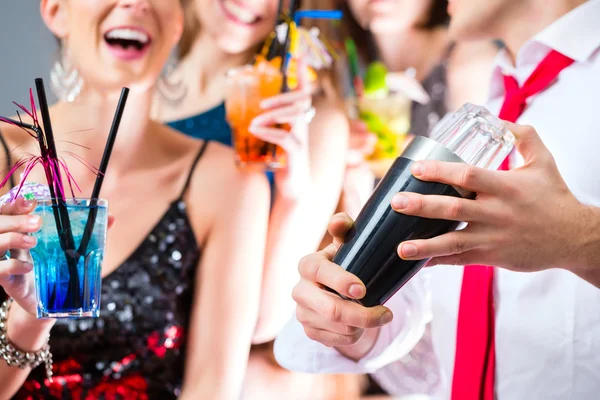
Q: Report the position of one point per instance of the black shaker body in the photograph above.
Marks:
(370, 248)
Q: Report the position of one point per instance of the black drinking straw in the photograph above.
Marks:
(272, 53)
(59, 205)
(283, 67)
(110, 142)
(286, 48)
(21, 124)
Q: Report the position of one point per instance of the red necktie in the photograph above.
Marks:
(474, 364)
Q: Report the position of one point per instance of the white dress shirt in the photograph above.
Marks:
(547, 323)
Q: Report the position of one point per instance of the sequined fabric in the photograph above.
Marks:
(135, 350)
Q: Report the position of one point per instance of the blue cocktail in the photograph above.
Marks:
(67, 283)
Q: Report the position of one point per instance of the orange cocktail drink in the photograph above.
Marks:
(247, 86)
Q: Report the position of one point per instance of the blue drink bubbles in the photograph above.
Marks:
(61, 292)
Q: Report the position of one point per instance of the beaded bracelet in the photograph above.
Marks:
(18, 358)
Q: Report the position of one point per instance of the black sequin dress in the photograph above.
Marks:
(136, 348)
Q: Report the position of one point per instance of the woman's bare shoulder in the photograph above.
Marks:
(223, 190)
(220, 172)
(215, 175)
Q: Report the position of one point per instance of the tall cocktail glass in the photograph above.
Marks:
(67, 283)
(247, 86)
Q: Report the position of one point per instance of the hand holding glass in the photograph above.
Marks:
(247, 87)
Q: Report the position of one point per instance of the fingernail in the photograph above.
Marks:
(29, 239)
(400, 202)
(28, 203)
(33, 221)
(386, 318)
(357, 291)
(265, 104)
(418, 169)
(28, 265)
(408, 250)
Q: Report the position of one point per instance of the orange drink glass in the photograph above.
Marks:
(247, 86)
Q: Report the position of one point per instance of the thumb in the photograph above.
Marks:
(529, 143)
(339, 226)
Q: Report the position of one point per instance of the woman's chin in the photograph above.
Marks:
(114, 81)
(229, 45)
(387, 25)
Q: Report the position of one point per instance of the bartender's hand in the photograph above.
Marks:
(326, 317)
(524, 219)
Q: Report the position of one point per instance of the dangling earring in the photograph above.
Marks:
(170, 85)
(66, 83)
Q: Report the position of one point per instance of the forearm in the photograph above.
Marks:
(212, 387)
(297, 225)
(586, 263)
(211, 383)
(218, 353)
(293, 233)
(27, 334)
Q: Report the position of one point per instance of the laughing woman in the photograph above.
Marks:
(181, 278)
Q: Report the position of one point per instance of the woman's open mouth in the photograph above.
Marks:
(127, 43)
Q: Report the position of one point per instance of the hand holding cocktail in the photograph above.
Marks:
(16, 278)
(269, 103)
(72, 235)
(18, 226)
(285, 123)
(284, 120)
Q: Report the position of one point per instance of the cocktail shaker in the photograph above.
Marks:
(472, 135)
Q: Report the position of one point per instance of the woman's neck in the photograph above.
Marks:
(93, 113)
(412, 48)
(207, 62)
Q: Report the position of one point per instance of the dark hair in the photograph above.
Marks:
(438, 16)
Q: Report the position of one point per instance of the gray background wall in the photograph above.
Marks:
(27, 51)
